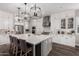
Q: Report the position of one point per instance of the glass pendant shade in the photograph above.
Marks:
(25, 14)
(18, 17)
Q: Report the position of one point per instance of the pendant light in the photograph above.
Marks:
(25, 14)
(18, 16)
(36, 11)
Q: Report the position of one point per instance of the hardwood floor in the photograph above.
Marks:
(62, 50)
(57, 50)
(4, 50)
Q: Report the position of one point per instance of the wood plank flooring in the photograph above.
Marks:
(57, 50)
(62, 50)
(4, 50)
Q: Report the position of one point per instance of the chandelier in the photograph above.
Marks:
(35, 12)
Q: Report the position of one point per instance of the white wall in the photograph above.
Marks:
(4, 39)
(6, 20)
(77, 25)
(38, 24)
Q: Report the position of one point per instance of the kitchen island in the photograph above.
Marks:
(42, 44)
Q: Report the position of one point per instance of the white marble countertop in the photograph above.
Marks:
(33, 39)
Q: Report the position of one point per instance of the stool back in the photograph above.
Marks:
(23, 45)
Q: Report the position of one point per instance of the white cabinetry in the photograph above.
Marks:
(49, 44)
(68, 40)
(66, 28)
(46, 46)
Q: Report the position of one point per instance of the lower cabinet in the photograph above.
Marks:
(46, 47)
(43, 48)
(49, 44)
(68, 40)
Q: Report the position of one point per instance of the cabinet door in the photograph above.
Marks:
(46, 21)
(49, 44)
(44, 48)
(70, 23)
(63, 24)
(68, 40)
(57, 39)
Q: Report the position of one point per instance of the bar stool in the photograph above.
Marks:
(24, 50)
(11, 45)
(15, 46)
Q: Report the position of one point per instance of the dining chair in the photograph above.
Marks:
(24, 50)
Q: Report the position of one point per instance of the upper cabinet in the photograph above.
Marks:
(63, 23)
(46, 24)
(70, 23)
(67, 23)
(46, 21)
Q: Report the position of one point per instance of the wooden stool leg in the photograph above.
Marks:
(21, 53)
(14, 50)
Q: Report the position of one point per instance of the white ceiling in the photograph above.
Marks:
(46, 7)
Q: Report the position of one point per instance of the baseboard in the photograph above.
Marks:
(4, 54)
(63, 45)
(76, 44)
(5, 44)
